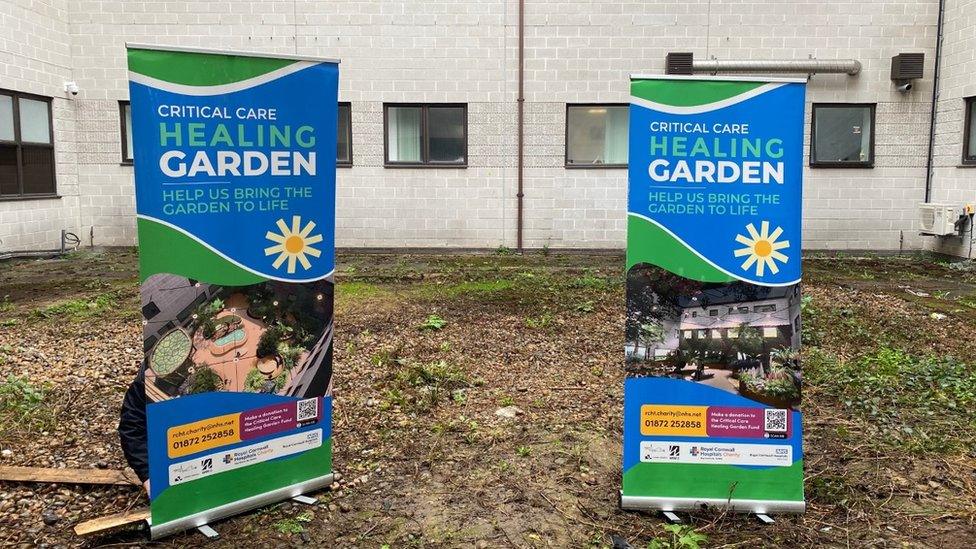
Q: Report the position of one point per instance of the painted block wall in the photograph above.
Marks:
(466, 51)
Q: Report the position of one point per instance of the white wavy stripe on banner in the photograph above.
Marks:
(219, 89)
(706, 260)
(228, 259)
(708, 107)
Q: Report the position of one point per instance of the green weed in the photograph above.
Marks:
(920, 404)
(679, 536)
(433, 323)
(22, 406)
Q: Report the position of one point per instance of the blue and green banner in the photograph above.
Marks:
(234, 158)
(713, 296)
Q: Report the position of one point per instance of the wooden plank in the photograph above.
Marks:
(110, 522)
(67, 476)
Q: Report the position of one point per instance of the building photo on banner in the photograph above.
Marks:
(529, 274)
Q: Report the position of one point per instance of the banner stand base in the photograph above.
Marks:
(764, 518)
(203, 518)
(671, 517)
(305, 499)
(208, 531)
(665, 504)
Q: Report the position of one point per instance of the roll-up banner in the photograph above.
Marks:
(235, 196)
(713, 295)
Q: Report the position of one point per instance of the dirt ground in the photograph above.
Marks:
(425, 461)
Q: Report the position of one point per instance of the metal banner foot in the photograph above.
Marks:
(671, 517)
(764, 518)
(206, 530)
(305, 499)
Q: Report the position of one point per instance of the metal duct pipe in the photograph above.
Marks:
(805, 66)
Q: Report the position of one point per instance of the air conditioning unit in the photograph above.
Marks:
(937, 219)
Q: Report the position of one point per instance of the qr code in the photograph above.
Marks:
(775, 420)
(308, 410)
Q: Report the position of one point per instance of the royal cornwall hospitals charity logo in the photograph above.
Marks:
(762, 248)
(293, 244)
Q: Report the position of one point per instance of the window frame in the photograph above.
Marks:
(19, 144)
(967, 129)
(425, 161)
(865, 164)
(345, 163)
(566, 162)
(124, 134)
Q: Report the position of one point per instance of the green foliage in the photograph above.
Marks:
(22, 407)
(205, 380)
(433, 323)
(679, 536)
(424, 385)
(268, 343)
(254, 381)
(584, 307)
(921, 404)
(208, 327)
(290, 354)
(289, 526)
(504, 250)
(507, 401)
(523, 451)
(5, 304)
(749, 341)
(79, 309)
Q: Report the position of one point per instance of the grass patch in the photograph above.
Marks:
(918, 404)
(358, 290)
(78, 309)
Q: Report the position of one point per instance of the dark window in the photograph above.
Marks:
(764, 308)
(596, 136)
(969, 137)
(344, 139)
(713, 312)
(425, 135)
(842, 136)
(150, 310)
(26, 146)
(125, 126)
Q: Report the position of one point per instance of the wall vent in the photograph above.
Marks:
(679, 63)
(907, 66)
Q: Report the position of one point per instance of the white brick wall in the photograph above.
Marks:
(466, 51)
(951, 183)
(35, 57)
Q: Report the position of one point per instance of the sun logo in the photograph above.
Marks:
(762, 248)
(293, 244)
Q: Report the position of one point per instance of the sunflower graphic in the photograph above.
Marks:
(293, 244)
(762, 248)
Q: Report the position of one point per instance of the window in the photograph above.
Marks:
(344, 140)
(842, 136)
(764, 308)
(596, 136)
(426, 135)
(26, 146)
(713, 312)
(969, 137)
(770, 333)
(125, 126)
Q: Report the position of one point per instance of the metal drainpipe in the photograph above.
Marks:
(930, 162)
(521, 119)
